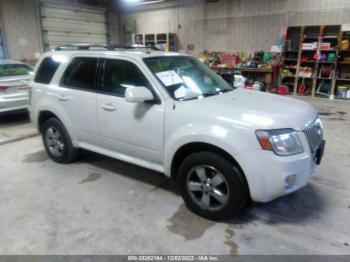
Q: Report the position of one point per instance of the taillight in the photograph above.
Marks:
(3, 89)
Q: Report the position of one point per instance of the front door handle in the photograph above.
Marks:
(108, 107)
(62, 98)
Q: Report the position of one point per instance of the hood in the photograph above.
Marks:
(259, 110)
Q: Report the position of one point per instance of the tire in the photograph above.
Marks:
(229, 186)
(57, 142)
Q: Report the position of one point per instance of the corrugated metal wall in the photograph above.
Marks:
(240, 25)
(21, 29)
(68, 24)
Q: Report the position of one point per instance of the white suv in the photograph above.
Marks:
(170, 113)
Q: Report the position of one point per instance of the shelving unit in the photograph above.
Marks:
(343, 65)
(313, 56)
(162, 41)
(150, 40)
(138, 39)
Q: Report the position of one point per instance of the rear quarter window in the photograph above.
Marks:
(81, 73)
(46, 70)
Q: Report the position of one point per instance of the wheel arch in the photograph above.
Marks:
(43, 117)
(193, 147)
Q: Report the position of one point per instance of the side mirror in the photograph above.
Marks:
(138, 94)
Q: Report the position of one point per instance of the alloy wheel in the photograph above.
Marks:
(54, 141)
(207, 187)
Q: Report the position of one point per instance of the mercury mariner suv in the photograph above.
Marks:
(170, 113)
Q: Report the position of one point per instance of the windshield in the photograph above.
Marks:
(14, 70)
(186, 78)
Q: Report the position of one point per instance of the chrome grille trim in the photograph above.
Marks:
(314, 134)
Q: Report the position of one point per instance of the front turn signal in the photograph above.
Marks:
(264, 140)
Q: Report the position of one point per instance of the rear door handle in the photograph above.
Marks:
(62, 98)
(108, 107)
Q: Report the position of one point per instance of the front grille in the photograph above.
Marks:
(314, 135)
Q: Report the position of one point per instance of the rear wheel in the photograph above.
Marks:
(57, 141)
(212, 186)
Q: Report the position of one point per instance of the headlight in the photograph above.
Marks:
(283, 142)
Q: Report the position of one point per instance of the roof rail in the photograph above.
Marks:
(97, 46)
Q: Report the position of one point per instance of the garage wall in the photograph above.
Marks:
(240, 25)
(20, 28)
(113, 24)
(20, 25)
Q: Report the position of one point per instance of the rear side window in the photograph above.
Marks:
(46, 70)
(81, 73)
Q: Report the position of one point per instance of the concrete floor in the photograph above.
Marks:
(103, 206)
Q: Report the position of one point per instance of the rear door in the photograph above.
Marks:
(134, 129)
(76, 95)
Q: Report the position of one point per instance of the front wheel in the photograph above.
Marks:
(212, 186)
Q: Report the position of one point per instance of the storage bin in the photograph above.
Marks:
(342, 91)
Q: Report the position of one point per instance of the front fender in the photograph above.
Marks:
(225, 138)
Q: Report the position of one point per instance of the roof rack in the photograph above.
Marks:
(107, 47)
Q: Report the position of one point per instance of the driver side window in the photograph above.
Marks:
(120, 74)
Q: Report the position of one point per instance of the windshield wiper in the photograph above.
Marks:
(199, 96)
(226, 90)
(210, 94)
(217, 92)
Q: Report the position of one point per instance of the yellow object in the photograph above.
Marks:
(345, 44)
(203, 57)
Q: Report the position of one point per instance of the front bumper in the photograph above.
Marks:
(270, 176)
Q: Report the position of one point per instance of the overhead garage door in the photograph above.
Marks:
(64, 24)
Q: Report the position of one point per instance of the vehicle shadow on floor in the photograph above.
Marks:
(305, 204)
(14, 119)
(158, 180)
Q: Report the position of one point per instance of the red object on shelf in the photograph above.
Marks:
(326, 46)
(282, 90)
(229, 59)
(301, 88)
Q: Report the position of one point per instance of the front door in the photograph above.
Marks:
(131, 129)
